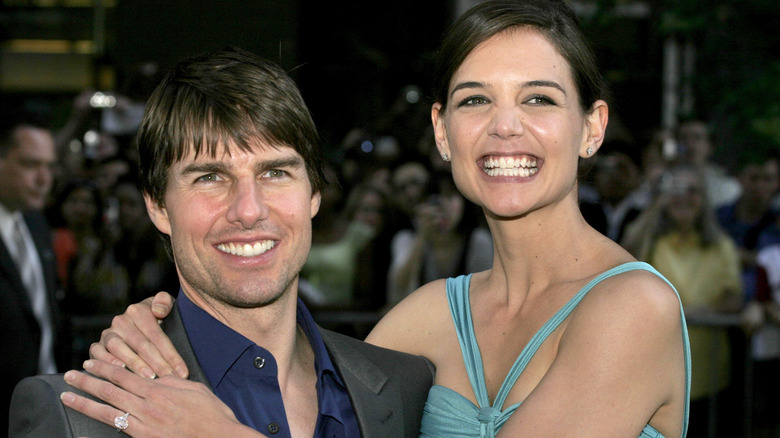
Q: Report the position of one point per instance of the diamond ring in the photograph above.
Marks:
(120, 422)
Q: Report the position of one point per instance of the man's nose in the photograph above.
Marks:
(44, 176)
(248, 206)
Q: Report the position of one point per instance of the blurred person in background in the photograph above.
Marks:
(694, 147)
(619, 194)
(751, 220)
(32, 336)
(765, 346)
(330, 270)
(75, 215)
(446, 240)
(138, 246)
(370, 204)
(410, 184)
(679, 235)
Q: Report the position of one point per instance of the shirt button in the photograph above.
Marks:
(259, 363)
(273, 428)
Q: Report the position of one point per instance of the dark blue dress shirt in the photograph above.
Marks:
(245, 376)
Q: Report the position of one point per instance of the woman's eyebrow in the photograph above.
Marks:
(542, 83)
(527, 84)
(467, 84)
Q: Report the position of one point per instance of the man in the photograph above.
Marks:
(231, 174)
(619, 194)
(695, 146)
(29, 316)
(751, 219)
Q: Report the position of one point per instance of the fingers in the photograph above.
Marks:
(162, 303)
(157, 350)
(130, 346)
(117, 400)
(98, 411)
(98, 352)
(136, 339)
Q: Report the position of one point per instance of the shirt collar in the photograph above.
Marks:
(7, 219)
(217, 346)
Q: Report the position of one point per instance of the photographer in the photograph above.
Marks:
(447, 241)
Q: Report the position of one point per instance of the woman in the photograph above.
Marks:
(679, 235)
(519, 101)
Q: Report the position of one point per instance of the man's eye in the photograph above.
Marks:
(275, 173)
(211, 177)
(473, 101)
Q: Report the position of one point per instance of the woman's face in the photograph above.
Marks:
(513, 127)
(686, 200)
(79, 209)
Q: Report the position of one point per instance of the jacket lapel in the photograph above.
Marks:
(377, 411)
(173, 326)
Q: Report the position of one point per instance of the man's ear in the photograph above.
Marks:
(439, 130)
(596, 127)
(158, 214)
(316, 199)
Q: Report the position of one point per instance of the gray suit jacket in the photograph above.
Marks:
(388, 390)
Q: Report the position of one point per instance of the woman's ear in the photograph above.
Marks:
(439, 130)
(595, 128)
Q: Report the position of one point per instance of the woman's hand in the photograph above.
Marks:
(165, 407)
(136, 341)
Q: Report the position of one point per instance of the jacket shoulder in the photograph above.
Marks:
(37, 412)
(388, 388)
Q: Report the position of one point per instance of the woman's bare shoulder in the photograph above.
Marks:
(636, 313)
(415, 321)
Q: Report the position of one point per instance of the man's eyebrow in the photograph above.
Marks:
(281, 163)
(209, 167)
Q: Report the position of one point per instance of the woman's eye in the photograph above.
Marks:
(473, 101)
(540, 100)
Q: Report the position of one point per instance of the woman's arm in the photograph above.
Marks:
(165, 407)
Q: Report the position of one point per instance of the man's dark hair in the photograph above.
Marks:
(13, 118)
(228, 97)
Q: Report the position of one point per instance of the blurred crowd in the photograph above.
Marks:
(391, 220)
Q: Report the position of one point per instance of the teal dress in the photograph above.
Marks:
(449, 414)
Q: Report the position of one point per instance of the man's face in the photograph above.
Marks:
(760, 181)
(26, 170)
(240, 224)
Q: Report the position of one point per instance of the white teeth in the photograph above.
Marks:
(510, 166)
(509, 162)
(246, 249)
(521, 172)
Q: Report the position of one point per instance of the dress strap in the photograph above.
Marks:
(540, 336)
(458, 299)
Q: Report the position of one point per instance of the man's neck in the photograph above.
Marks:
(274, 327)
